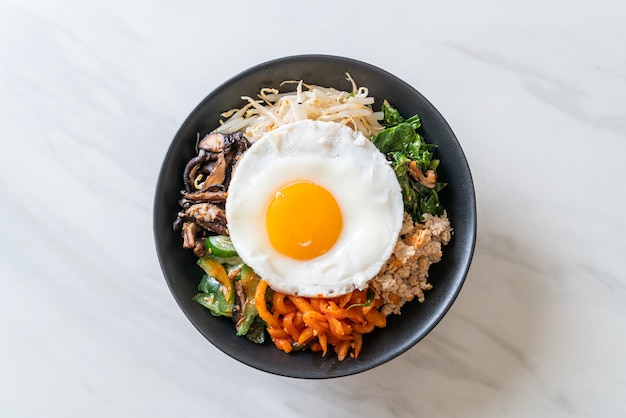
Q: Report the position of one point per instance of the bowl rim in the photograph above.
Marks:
(450, 297)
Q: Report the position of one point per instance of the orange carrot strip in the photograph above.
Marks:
(335, 312)
(301, 303)
(277, 333)
(315, 320)
(356, 315)
(363, 328)
(315, 316)
(282, 306)
(358, 344)
(358, 297)
(366, 309)
(375, 304)
(321, 337)
(315, 346)
(298, 321)
(320, 323)
(344, 299)
(261, 305)
(377, 318)
(306, 335)
(315, 303)
(290, 327)
(283, 344)
(336, 326)
(342, 350)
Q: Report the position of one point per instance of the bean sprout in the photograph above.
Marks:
(273, 109)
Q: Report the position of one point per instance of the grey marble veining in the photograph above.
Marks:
(91, 94)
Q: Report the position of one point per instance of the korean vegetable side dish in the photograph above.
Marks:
(313, 216)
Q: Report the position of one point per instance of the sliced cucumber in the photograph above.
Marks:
(220, 246)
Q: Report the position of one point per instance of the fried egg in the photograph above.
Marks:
(314, 208)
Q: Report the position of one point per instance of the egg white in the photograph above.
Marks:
(360, 179)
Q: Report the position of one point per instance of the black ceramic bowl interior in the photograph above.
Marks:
(402, 331)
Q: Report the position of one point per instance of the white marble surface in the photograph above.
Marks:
(91, 94)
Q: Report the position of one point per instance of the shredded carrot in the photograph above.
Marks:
(342, 349)
(284, 344)
(321, 337)
(335, 327)
(358, 344)
(261, 305)
(301, 303)
(290, 327)
(343, 300)
(363, 329)
(318, 323)
(315, 346)
(377, 318)
(306, 335)
(277, 333)
(281, 305)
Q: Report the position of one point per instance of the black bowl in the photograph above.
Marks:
(402, 331)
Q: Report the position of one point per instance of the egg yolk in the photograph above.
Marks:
(303, 220)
